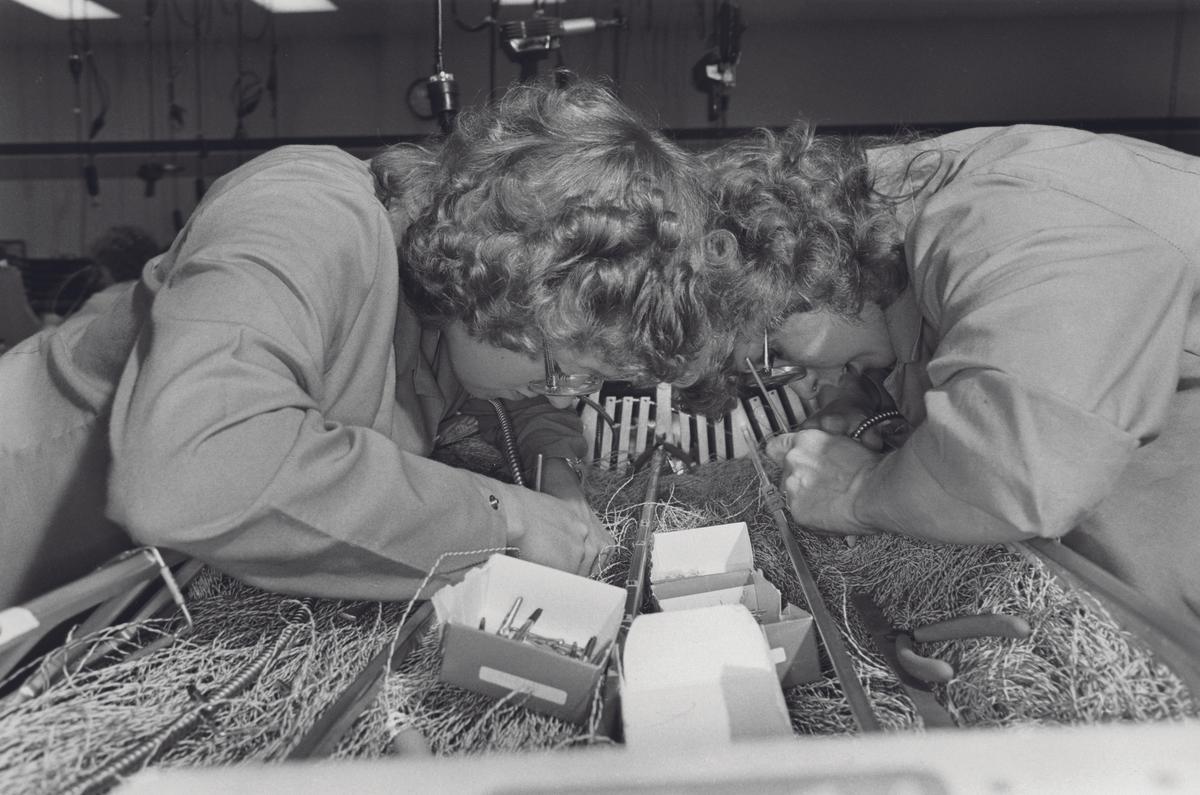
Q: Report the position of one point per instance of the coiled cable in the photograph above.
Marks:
(507, 443)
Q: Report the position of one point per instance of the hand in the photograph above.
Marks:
(822, 476)
(843, 407)
(563, 533)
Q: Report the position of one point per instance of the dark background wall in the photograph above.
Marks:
(870, 65)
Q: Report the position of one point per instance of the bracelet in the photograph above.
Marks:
(575, 464)
(873, 420)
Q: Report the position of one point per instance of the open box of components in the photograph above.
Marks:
(704, 566)
(516, 627)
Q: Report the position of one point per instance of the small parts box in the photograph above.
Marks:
(489, 645)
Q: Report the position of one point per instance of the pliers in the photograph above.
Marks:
(979, 625)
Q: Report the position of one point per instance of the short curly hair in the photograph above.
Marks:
(813, 232)
(556, 214)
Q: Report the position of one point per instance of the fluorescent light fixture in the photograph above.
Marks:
(296, 6)
(69, 9)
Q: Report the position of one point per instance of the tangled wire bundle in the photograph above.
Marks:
(1077, 667)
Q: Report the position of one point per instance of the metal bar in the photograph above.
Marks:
(1167, 637)
(835, 647)
(608, 723)
(1128, 125)
(635, 580)
(856, 695)
(322, 738)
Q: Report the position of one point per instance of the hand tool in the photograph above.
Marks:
(933, 714)
(972, 625)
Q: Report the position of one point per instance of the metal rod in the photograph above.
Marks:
(551, 369)
(835, 647)
(779, 420)
(635, 580)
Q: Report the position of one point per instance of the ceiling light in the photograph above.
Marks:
(69, 9)
(296, 6)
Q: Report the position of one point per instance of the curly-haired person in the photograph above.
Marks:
(1028, 297)
(267, 398)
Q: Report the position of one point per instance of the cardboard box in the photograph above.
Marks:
(699, 677)
(574, 609)
(712, 565)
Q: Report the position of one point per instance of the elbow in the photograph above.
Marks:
(168, 504)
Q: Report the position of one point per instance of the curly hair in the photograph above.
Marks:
(813, 232)
(556, 216)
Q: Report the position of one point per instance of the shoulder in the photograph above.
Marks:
(998, 183)
(304, 163)
(305, 217)
(315, 198)
(299, 178)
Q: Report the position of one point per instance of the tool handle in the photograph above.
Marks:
(999, 625)
(927, 669)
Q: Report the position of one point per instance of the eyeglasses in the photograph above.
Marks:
(560, 384)
(770, 374)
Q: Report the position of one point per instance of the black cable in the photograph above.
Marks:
(492, 40)
(201, 18)
(1176, 58)
(175, 117)
(75, 66)
(508, 442)
(439, 64)
(247, 87)
(619, 15)
(272, 84)
(151, 112)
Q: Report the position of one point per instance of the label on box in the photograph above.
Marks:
(522, 685)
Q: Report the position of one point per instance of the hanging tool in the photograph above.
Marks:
(529, 41)
(715, 72)
(835, 647)
(441, 87)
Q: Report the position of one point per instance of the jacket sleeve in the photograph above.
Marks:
(1060, 328)
(537, 426)
(220, 447)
